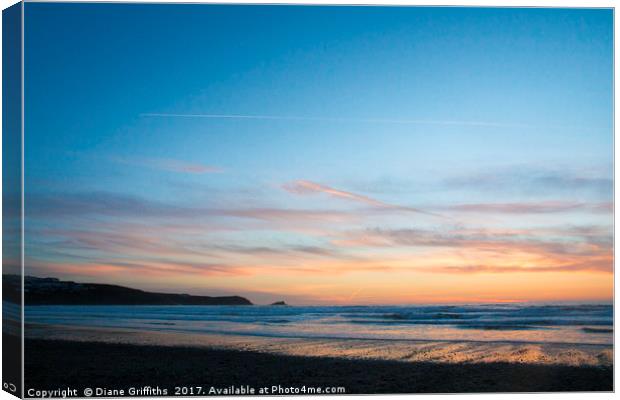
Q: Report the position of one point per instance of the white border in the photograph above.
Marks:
(23, 242)
(474, 3)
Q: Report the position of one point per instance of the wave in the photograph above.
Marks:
(578, 323)
(598, 330)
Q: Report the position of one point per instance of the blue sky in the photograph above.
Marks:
(289, 127)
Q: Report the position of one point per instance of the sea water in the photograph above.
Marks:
(537, 323)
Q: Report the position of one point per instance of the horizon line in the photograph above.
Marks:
(339, 304)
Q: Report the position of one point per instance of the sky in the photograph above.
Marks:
(322, 155)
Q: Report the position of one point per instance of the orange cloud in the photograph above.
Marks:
(597, 266)
(518, 251)
(143, 269)
(169, 164)
(304, 187)
(307, 187)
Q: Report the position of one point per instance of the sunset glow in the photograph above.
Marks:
(470, 161)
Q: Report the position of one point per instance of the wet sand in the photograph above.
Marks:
(355, 349)
(117, 358)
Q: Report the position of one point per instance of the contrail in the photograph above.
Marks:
(322, 119)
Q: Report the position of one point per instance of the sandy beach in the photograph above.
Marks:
(59, 355)
(51, 364)
(353, 349)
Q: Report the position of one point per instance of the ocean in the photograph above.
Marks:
(527, 323)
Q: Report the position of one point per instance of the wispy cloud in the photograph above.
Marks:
(307, 187)
(536, 180)
(542, 207)
(401, 121)
(169, 164)
(303, 187)
(594, 265)
(152, 242)
(121, 205)
(297, 251)
(547, 250)
(164, 268)
(568, 241)
(98, 203)
(285, 214)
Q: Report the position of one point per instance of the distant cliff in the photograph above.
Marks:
(51, 291)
